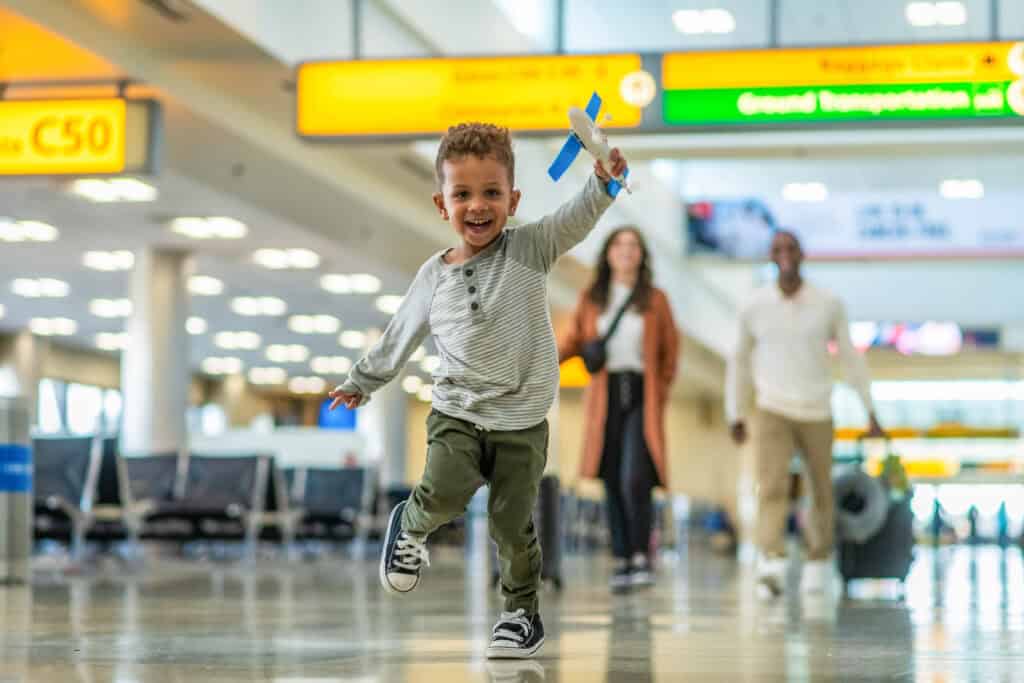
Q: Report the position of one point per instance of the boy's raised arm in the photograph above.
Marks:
(406, 330)
(554, 234)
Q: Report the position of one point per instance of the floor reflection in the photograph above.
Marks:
(960, 617)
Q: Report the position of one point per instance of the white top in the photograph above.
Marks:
(782, 352)
(625, 349)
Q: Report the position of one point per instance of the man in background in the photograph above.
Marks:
(782, 355)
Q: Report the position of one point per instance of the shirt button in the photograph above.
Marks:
(472, 290)
(469, 272)
(475, 306)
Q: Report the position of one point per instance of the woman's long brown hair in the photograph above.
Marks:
(598, 292)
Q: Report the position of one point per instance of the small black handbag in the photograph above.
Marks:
(594, 353)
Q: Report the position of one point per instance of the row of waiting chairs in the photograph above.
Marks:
(85, 483)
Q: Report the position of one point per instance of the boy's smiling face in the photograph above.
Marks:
(477, 197)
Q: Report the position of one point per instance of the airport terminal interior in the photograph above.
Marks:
(212, 210)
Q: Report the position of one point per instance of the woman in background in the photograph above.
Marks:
(624, 439)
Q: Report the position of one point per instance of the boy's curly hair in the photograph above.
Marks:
(479, 139)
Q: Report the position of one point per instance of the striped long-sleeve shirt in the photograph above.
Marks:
(490, 321)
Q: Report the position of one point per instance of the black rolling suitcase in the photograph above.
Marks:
(887, 554)
(547, 519)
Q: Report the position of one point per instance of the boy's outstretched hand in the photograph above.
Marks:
(351, 400)
(618, 166)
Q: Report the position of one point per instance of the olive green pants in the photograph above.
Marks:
(460, 459)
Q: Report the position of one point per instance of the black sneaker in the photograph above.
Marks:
(516, 636)
(402, 556)
(621, 581)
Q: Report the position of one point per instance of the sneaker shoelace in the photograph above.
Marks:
(505, 628)
(410, 554)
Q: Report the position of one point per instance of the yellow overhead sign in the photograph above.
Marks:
(425, 96)
(804, 67)
(74, 137)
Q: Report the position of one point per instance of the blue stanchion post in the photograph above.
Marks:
(15, 491)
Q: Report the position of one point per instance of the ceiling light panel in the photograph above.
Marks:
(51, 327)
(248, 341)
(212, 227)
(352, 339)
(330, 365)
(267, 376)
(27, 231)
(287, 353)
(113, 190)
(358, 283)
(307, 385)
(259, 306)
(222, 365)
(40, 288)
(109, 261)
(314, 324)
(112, 341)
(203, 285)
(111, 308)
(286, 259)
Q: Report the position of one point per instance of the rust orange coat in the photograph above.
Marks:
(660, 354)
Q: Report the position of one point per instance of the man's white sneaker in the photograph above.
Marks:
(816, 576)
(771, 577)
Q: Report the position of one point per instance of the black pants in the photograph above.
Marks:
(626, 467)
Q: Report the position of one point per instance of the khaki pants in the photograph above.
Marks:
(462, 458)
(776, 439)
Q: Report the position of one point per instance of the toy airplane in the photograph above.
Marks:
(586, 135)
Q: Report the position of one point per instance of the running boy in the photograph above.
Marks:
(485, 304)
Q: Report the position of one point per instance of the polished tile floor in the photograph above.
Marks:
(962, 619)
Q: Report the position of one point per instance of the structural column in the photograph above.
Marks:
(382, 422)
(155, 366)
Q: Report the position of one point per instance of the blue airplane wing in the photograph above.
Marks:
(572, 146)
(565, 157)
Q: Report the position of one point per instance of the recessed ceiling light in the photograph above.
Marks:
(805, 192)
(121, 259)
(259, 305)
(352, 339)
(696, 22)
(389, 303)
(111, 308)
(430, 364)
(195, 325)
(930, 14)
(330, 365)
(419, 354)
(314, 324)
(287, 353)
(112, 341)
(47, 327)
(27, 231)
(281, 259)
(45, 288)
(203, 285)
(306, 385)
(962, 189)
(222, 365)
(237, 340)
(359, 283)
(212, 227)
(412, 384)
(267, 376)
(113, 190)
